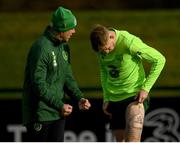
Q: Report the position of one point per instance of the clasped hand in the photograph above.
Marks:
(83, 103)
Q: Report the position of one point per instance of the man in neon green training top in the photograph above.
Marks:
(123, 77)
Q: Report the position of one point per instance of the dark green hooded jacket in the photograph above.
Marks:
(48, 76)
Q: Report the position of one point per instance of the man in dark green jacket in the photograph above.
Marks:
(48, 76)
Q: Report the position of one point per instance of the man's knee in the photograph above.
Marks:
(134, 121)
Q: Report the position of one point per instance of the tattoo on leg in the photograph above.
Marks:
(134, 122)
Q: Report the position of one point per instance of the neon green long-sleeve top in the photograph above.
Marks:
(122, 72)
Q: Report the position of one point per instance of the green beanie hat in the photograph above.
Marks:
(63, 20)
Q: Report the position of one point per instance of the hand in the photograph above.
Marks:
(84, 104)
(66, 110)
(105, 106)
(142, 95)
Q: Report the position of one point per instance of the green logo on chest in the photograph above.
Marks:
(65, 56)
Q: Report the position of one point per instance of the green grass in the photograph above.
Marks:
(159, 29)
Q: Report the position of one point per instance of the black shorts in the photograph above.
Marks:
(118, 111)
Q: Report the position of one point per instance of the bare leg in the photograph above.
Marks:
(119, 134)
(134, 122)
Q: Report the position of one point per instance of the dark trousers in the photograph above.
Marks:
(50, 131)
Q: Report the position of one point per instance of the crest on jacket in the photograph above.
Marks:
(65, 56)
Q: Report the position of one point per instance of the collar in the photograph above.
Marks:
(49, 33)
